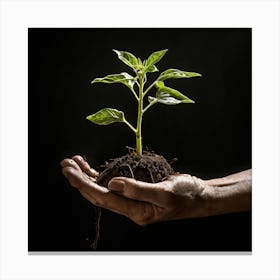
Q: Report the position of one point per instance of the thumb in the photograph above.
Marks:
(136, 190)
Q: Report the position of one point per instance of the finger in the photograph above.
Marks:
(75, 175)
(85, 166)
(137, 190)
(108, 200)
(137, 211)
(70, 163)
(100, 195)
(140, 212)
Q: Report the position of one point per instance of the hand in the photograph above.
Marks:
(180, 196)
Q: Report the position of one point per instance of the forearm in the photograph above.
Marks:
(229, 194)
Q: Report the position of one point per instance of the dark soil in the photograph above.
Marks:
(149, 167)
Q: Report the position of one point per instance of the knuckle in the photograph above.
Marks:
(130, 183)
(68, 170)
(80, 161)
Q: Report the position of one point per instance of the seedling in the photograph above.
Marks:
(164, 94)
(144, 166)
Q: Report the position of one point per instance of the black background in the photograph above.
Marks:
(211, 138)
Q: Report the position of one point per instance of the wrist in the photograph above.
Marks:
(228, 194)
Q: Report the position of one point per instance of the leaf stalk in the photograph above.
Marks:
(129, 125)
(150, 105)
(150, 87)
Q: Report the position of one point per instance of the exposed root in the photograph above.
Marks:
(152, 176)
(97, 229)
(171, 161)
(130, 169)
(130, 149)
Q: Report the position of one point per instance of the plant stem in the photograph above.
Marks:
(138, 132)
(134, 93)
(150, 105)
(150, 87)
(129, 125)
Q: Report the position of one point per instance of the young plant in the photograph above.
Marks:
(164, 94)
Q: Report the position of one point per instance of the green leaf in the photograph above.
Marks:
(159, 84)
(139, 62)
(123, 78)
(156, 57)
(167, 100)
(151, 68)
(169, 96)
(106, 116)
(127, 58)
(177, 74)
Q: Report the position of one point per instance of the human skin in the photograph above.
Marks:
(181, 196)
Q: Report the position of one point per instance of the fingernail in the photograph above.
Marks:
(116, 185)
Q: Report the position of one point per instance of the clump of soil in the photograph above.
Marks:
(149, 167)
